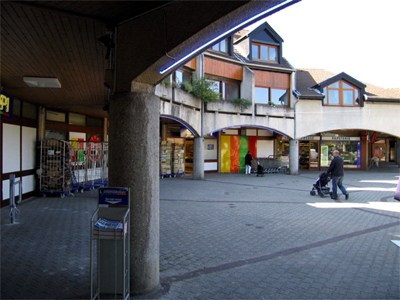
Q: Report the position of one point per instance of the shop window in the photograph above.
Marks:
(264, 52)
(350, 152)
(29, 110)
(278, 97)
(341, 93)
(76, 119)
(55, 116)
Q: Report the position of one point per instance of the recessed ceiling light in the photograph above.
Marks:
(43, 82)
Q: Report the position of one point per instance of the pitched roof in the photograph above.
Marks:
(307, 78)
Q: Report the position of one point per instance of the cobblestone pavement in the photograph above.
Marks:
(231, 236)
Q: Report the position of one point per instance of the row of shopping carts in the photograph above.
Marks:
(271, 164)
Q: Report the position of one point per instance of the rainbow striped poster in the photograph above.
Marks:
(233, 150)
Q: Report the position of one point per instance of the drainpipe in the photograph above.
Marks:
(294, 143)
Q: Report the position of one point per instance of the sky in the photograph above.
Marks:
(358, 37)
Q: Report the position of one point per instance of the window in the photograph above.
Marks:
(183, 76)
(55, 116)
(29, 110)
(229, 90)
(265, 95)
(264, 52)
(77, 119)
(341, 93)
(222, 46)
(94, 122)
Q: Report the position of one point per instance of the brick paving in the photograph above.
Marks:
(231, 236)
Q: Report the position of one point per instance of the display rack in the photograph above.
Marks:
(89, 164)
(172, 159)
(55, 175)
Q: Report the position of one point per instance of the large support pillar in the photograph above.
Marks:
(294, 157)
(133, 163)
(198, 158)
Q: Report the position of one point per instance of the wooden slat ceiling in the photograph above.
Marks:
(60, 39)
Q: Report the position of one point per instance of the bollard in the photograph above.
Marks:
(13, 208)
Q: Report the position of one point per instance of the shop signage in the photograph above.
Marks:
(340, 138)
(114, 196)
(6, 106)
(311, 138)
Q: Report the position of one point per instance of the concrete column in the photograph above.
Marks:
(294, 157)
(133, 162)
(198, 158)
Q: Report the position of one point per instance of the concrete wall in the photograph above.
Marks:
(312, 117)
(218, 115)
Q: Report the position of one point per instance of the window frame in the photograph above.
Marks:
(270, 102)
(259, 55)
(341, 89)
(222, 88)
(219, 46)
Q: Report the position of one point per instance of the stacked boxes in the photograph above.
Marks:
(178, 166)
(55, 166)
(165, 158)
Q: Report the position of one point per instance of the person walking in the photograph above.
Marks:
(337, 173)
(247, 161)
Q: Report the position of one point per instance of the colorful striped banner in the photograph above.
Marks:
(233, 151)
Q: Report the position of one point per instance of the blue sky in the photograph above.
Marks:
(359, 37)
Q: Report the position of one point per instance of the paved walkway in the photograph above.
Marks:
(231, 236)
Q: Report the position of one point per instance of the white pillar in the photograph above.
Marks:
(198, 158)
(294, 157)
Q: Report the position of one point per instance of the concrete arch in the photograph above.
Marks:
(182, 122)
(394, 134)
(250, 126)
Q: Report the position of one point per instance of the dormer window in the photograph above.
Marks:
(264, 52)
(341, 93)
(222, 46)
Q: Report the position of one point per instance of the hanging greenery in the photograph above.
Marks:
(242, 104)
(202, 88)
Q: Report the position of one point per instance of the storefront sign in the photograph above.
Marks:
(324, 156)
(113, 196)
(359, 155)
(311, 138)
(6, 106)
(340, 138)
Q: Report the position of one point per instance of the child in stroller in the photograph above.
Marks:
(320, 186)
(260, 170)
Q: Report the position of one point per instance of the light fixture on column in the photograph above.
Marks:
(43, 82)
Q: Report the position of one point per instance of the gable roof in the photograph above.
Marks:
(308, 79)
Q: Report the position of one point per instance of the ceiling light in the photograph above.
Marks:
(42, 82)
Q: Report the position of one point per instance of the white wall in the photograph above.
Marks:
(265, 148)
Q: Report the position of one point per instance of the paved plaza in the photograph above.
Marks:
(231, 236)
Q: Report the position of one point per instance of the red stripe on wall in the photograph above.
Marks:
(253, 145)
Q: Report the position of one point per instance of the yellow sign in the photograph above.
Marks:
(6, 106)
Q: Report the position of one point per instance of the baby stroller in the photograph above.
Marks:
(320, 186)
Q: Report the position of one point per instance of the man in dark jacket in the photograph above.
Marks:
(336, 171)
